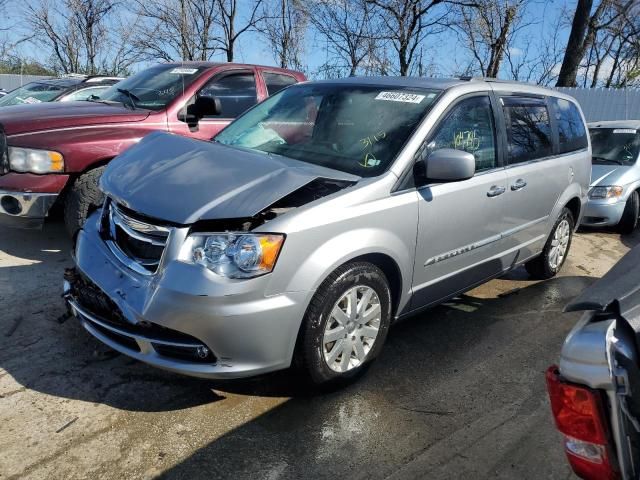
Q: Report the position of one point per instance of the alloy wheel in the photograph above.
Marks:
(351, 329)
(559, 244)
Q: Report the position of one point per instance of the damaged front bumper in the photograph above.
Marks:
(183, 318)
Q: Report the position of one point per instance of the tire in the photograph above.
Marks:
(312, 349)
(83, 197)
(629, 220)
(546, 265)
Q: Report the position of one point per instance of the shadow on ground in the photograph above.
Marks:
(61, 359)
(471, 360)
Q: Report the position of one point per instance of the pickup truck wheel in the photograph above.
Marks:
(83, 197)
(346, 324)
(629, 220)
(555, 251)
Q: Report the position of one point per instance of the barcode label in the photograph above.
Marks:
(400, 97)
(184, 71)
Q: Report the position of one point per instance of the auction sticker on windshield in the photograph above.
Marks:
(400, 97)
(624, 130)
(184, 71)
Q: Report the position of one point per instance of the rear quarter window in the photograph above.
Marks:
(528, 129)
(572, 133)
(277, 81)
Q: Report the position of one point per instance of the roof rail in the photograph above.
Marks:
(470, 78)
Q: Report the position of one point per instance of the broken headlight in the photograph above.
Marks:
(234, 255)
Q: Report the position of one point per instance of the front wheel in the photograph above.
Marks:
(555, 251)
(346, 324)
(629, 220)
(83, 197)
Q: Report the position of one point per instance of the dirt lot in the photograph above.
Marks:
(458, 391)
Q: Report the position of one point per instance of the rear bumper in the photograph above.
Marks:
(598, 213)
(25, 198)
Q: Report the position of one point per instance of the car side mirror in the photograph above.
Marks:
(200, 108)
(449, 165)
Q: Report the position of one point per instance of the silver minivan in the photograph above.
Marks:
(615, 176)
(321, 216)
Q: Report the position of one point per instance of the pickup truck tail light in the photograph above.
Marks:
(580, 417)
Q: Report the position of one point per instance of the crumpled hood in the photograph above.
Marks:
(182, 180)
(54, 115)
(606, 175)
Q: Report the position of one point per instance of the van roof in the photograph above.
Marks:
(446, 83)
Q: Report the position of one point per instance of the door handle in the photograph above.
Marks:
(495, 190)
(519, 185)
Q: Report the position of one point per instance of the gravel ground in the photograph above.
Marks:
(457, 392)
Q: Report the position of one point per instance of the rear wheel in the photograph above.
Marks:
(629, 220)
(83, 197)
(555, 251)
(346, 324)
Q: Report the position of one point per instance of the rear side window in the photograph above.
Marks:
(528, 129)
(236, 92)
(277, 81)
(469, 127)
(572, 134)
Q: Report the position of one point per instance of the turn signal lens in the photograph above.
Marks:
(579, 415)
(271, 245)
(57, 162)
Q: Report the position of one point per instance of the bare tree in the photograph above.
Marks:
(407, 24)
(77, 33)
(285, 25)
(347, 28)
(232, 26)
(487, 30)
(584, 29)
(176, 29)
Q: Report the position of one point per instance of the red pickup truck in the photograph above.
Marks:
(54, 153)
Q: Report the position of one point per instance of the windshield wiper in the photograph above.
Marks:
(132, 97)
(97, 99)
(607, 160)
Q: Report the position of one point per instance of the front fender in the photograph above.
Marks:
(332, 254)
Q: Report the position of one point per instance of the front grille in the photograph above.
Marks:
(138, 243)
(91, 297)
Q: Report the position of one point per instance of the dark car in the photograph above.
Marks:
(66, 89)
(55, 152)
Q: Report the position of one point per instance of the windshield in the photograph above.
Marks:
(614, 146)
(353, 128)
(154, 88)
(32, 93)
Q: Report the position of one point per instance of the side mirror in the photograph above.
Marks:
(449, 165)
(200, 108)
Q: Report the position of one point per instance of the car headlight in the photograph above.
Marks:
(234, 255)
(614, 191)
(35, 161)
